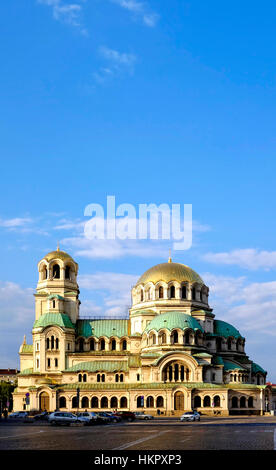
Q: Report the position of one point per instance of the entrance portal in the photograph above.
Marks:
(44, 402)
(179, 401)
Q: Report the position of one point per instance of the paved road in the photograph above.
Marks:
(166, 434)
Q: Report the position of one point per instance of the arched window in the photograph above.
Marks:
(193, 293)
(250, 402)
(54, 304)
(48, 343)
(216, 401)
(124, 345)
(153, 339)
(175, 337)
(197, 402)
(229, 344)
(207, 401)
(103, 377)
(104, 402)
(114, 402)
(243, 402)
(75, 402)
(92, 345)
(67, 272)
(80, 378)
(84, 402)
(113, 345)
(123, 402)
(52, 342)
(140, 402)
(102, 344)
(142, 295)
(57, 343)
(183, 292)
(94, 402)
(56, 271)
(161, 292)
(62, 402)
(235, 402)
(121, 377)
(81, 344)
(187, 337)
(84, 378)
(159, 402)
(172, 292)
(98, 377)
(117, 378)
(150, 402)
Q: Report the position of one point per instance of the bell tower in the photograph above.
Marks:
(57, 289)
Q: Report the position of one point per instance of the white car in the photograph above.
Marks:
(142, 415)
(63, 417)
(19, 414)
(190, 416)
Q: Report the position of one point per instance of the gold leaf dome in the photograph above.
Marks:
(58, 254)
(170, 272)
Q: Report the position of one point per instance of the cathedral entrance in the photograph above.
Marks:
(179, 401)
(44, 402)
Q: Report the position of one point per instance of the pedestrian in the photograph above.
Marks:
(5, 413)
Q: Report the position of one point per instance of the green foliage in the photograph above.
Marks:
(6, 390)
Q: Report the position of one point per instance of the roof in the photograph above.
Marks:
(228, 366)
(100, 328)
(59, 319)
(256, 368)
(98, 366)
(171, 320)
(222, 328)
(169, 272)
(58, 254)
(27, 348)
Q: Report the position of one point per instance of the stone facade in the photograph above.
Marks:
(171, 355)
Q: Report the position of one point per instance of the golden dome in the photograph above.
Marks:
(169, 272)
(58, 254)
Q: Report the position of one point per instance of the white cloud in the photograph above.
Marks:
(139, 10)
(119, 64)
(16, 222)
(66, 12)
(245, 258)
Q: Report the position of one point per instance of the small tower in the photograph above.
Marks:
(57, 289)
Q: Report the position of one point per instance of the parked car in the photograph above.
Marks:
(190, 416)
(114, 417)
(103, 417)
(18, 415)
(126, 415)
(142, 415)
(63, 417)
(42, 416)
(88, 417)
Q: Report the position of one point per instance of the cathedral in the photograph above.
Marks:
(169, 356)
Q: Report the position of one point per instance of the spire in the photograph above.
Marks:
(170, 259)
(24, 340)
(58, 246)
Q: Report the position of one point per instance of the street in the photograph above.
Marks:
(160, 434)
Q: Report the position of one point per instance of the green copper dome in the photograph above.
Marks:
(171, 320)
(222, 328)
(58, 319)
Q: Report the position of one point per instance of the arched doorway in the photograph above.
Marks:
(178, 401)
(44, 401)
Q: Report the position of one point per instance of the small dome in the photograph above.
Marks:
(171, 320)
(170, 272)
(58, 254)
(222, 328)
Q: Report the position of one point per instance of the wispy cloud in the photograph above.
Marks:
(69, 13)
(139, 10)
(245, 258)
(117, 64)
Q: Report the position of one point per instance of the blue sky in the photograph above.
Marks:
(152, 102)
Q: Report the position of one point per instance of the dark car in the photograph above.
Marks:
(114, 417)
(126, 415)
(103, 418)
(42, 416)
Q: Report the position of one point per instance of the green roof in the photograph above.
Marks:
(222, 328)
(26, 371)
(27, 348)
(95, 366)
(171, 320)
(100, 328)
(55, 296)
(59, 319)
(256, 368)
(154, 386)
(228, 365)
